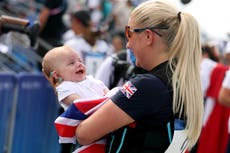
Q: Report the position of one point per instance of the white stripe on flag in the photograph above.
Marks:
(102, 141)
(67, 121)
(67, 140)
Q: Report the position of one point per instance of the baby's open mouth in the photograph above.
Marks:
(79, 72)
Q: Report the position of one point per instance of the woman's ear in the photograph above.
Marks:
(149, 36)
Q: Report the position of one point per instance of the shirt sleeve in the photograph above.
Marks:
(207, 66)
(226, 82)
(144, 97)
(64, 90)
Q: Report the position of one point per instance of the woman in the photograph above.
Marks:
(166, 43)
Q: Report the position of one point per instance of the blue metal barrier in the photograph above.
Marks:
(7, 94)
(37, 109)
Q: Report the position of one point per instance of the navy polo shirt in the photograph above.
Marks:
(146, 99)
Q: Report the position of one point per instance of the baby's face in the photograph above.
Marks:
(72, 67)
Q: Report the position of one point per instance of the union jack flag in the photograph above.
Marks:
(68, 121)
(128, 89)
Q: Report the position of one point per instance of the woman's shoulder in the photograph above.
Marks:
(145, 77)
(147, 81)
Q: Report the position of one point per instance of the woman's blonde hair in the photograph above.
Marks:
(182, 39)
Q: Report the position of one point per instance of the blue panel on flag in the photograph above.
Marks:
(7, 91)
(37, 108)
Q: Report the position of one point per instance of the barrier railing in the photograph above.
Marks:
(7, 94)
(28, 108)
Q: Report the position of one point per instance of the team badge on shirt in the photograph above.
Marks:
(128, 89)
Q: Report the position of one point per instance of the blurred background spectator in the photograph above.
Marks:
(52, 24)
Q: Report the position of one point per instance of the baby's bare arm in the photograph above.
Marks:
(106, 90)
(69, 99)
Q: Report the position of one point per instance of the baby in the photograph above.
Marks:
(65, 71)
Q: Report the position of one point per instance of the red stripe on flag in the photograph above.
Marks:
(65, 130)
(86, 105)
(95, 148)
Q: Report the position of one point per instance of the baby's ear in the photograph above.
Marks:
(54, 75)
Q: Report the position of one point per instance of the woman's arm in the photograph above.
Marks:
(105, 120)
(43, 17)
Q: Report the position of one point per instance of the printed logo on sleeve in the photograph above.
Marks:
(128, 89)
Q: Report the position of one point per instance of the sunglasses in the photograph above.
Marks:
(128, 31)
